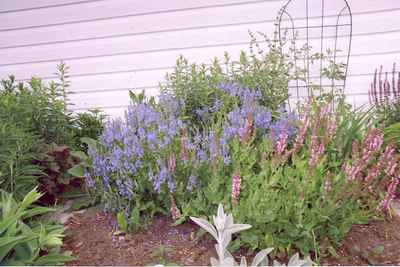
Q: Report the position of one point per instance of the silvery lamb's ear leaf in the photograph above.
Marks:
(228, 254)
(277, 263)
(229, 261)
(229, 221)
(219, 223)
(243, 262)
(226, 239)
(220, 212)
(296, 261)
(293, 260)
(309, 262)
(214, 262)
(220, 252)
(206, 226)
(261, 256)
(238, 227)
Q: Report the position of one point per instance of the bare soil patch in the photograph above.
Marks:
(90, 237)
(376, 243)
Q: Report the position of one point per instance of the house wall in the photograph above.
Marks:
(112, 46)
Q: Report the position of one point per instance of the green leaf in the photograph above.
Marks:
(8, 243)
(89, 141)
(77, 171)
(53, 259)
(122, 221)
(80, 155)
(379, 249)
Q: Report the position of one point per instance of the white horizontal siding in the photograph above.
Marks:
(116, 45)
(25, 5)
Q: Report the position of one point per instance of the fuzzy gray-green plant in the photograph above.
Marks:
(222, 231)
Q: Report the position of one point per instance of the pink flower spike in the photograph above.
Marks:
(236, 180)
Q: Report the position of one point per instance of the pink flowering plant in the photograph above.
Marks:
(303, 183)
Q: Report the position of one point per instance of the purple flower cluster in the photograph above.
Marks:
(145, 129)
(152, 143)
(237, 121)
(246, 96)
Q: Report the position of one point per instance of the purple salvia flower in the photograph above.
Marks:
(171, 184)
(192, 182)
(213, 145)
(229, 88)
(201, 155)
(89, 181)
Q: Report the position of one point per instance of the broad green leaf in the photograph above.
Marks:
(77, 171)
(80, 155)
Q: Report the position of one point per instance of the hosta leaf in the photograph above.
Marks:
(8, 243)
(53, 259)
(30, 198)
(36, 211)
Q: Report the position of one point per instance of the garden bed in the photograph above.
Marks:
(90, 238)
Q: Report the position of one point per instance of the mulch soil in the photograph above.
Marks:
(376, 243)
(93, 241)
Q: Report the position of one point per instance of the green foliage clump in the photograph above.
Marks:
(34, 116)
(24, 241)
(17, 151)
(37, 109)
(196, 87)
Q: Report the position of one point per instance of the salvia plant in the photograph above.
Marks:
(384, 95)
